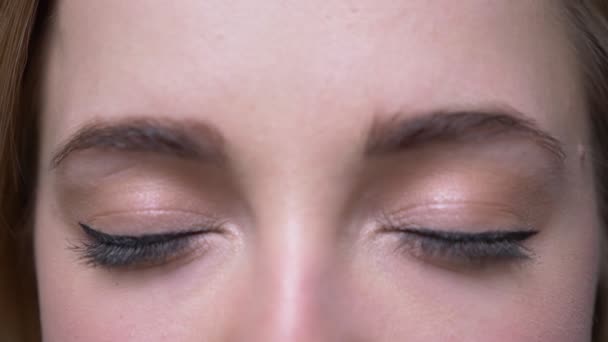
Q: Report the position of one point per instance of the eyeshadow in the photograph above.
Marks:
(128, 190)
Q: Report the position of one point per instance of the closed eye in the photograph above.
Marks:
(118, 251)
(458, 246)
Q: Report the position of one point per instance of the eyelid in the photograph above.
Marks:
(487, 236)
(144, 239)
(125, 251)
(459, 246)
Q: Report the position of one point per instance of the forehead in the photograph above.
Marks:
(299, 61)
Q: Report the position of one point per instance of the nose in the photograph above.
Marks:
(293, 297)
(298, 288)
(296, 311)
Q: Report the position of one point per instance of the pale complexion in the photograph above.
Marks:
(279, 125)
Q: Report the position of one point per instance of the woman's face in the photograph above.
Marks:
(314, 171)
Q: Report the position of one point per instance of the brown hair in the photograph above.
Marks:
(18, 308)
(21, 24)
(590, 37)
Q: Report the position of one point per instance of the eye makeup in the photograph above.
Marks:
(461, 234)
(131, 210)
(122, 251)
(460, 246)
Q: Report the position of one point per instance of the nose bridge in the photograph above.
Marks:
(295, 270)
(296, 218)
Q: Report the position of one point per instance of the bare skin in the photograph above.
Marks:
(284, 135)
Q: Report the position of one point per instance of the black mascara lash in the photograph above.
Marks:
(474, 247)
(114, 251)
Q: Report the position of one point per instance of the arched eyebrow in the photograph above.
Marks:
(187, 140)
(398, 133)
(201, 141)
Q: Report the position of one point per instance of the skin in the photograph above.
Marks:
(294, 89)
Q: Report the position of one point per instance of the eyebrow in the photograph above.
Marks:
(202, 142)
(397, 133)
(189, 140)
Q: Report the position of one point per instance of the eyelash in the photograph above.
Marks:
(458, 247)
(123, 251)
(120, 251)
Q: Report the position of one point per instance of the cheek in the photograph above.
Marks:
(437, 308)
(189, 305)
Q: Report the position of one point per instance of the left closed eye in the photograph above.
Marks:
(458, 246)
